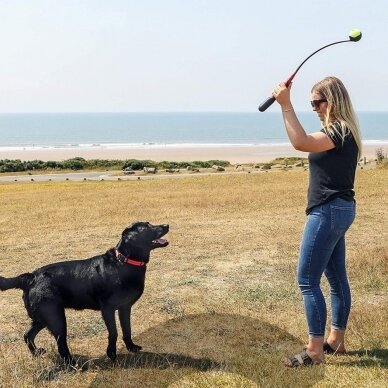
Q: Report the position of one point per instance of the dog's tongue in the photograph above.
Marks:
(160, 242)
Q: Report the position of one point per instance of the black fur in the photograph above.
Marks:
(99, 283)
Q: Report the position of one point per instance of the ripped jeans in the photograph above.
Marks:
(323, 251)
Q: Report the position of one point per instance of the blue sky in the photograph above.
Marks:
(185, 55)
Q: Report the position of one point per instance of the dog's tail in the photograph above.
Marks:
(20, 282)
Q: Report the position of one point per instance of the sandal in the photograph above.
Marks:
(301, 359)
(327, 349)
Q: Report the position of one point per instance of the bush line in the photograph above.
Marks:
(7, 165)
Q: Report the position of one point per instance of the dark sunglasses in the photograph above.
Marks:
(316, 103)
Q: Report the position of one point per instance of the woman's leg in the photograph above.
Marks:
(343, 214)
(326, 225)
(340, 297)
(315, 252)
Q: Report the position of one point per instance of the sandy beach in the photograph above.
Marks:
(233, 154)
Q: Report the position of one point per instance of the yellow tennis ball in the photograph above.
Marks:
(355, 35)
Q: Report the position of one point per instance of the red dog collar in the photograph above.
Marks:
(122, 259)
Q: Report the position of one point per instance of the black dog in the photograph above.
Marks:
(109, 282)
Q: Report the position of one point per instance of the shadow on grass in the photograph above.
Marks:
(164, 361)
(368, 358)
(131, 361)
(205, 348)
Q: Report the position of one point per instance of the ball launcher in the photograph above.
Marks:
(354, 36)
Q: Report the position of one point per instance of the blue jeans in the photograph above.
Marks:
(323, 251)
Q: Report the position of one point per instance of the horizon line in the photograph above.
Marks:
(167, 112)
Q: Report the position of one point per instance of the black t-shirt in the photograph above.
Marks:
(332, 172)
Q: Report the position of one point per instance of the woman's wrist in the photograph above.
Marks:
(287, 108)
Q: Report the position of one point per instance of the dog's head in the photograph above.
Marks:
(140, 238)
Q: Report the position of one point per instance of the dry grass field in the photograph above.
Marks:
(221, 306)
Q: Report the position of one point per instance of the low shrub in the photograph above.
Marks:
(79, 163)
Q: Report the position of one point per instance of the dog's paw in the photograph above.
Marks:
(111, 353)
(134, 348)
(131, 346)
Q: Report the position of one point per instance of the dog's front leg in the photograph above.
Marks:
(125, 322)
(108, 314)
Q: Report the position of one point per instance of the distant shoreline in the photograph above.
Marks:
(232, 153)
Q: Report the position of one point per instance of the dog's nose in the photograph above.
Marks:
(166, 226)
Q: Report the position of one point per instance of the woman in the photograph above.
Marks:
(333, 156)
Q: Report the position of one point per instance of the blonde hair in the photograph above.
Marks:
(339, 109)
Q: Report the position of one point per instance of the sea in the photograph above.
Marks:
(26, 131)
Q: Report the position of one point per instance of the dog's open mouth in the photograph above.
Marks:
(159, 243)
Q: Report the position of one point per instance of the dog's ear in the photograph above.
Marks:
(134, 225)
(133, 228)
(130, 227)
